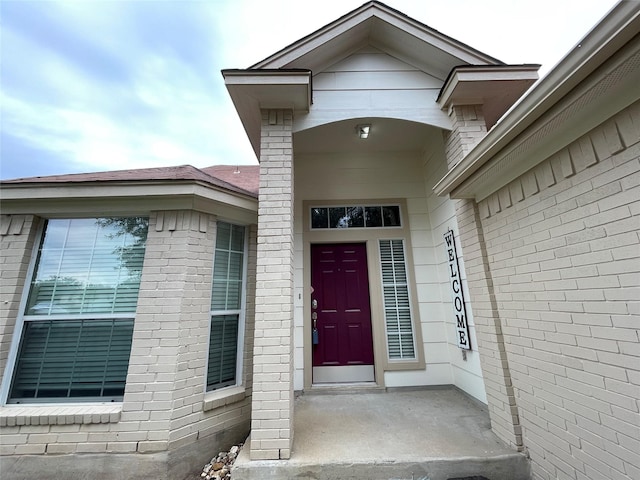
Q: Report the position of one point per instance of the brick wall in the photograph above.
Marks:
(468, 128)
(17, 237)
(272, 407)
(562, 242)
(165, 406)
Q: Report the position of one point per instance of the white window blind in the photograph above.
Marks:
(397, 308)
(226, 306)
(78, 323)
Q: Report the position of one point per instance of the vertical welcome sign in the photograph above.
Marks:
(459, 311)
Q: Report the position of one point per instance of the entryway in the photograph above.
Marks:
(341, 314)
(429, 433)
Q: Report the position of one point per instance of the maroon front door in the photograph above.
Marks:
(343, 350)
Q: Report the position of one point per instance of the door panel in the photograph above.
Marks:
(341, 287)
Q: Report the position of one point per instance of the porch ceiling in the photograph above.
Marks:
(386, 135)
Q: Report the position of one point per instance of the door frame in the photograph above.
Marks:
(341, 373)
(370, 237)
(377, 320)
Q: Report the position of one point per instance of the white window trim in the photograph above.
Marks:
(241, 312)
(21, 318)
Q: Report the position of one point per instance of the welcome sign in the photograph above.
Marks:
(459, 310)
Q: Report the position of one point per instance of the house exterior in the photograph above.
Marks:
(420, 221)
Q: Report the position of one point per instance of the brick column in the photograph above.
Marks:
(468, 128)
(165, 384)
(272, 401)
(17, 237)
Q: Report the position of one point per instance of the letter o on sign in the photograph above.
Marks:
(457, 303)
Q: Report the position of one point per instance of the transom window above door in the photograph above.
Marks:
(355, 216)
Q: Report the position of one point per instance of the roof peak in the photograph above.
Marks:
(375, 23)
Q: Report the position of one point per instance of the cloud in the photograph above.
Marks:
(99, 85)
(107, 85)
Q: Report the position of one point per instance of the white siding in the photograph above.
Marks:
(467, 374)
(371, 83)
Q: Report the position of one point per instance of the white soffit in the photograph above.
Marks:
(254, 90)
(495, 87)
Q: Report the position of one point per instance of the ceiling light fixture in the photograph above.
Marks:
(363, 130)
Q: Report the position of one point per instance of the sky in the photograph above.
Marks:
(95, 85)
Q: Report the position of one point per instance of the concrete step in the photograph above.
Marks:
(502, 467)
(409, 434)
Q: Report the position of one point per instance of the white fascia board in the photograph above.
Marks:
(325, 35)
(250, 77)
(481, 75)
(617, 28)
(123, 198)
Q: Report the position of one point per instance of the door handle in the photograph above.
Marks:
(315, 337)
(314, 304)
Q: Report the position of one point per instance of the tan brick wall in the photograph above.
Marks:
(272, 406)
(564, 249)
(17, 236)
(165, 406)
(468, 128)
(496, 373)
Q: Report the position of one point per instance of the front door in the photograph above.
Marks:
(343, 342)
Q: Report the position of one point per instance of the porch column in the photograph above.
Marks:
(468, 129)
(272, 400)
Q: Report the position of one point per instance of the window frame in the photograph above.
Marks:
(406, 284)
(364, 206)
(241, 312)
(22, 318)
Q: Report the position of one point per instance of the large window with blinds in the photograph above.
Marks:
(397, 305)
(227, 307)
(77, 326)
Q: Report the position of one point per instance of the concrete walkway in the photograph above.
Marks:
(435, 434)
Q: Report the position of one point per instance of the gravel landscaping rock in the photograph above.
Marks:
(219, 468)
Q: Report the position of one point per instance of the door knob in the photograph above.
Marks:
(314, 303)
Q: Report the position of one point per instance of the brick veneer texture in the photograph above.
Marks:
(272, 402)
(563, 246)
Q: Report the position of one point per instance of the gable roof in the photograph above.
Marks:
(384, 28)
(284, 79)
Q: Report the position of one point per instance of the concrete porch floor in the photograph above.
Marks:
(434, 434)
